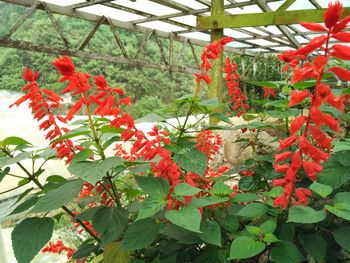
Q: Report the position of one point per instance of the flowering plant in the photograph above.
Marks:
(160, 198)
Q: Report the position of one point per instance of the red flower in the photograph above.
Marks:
(247, 173)
(126, 101)
(297, 97)
(322, 139)
(226, 40)
(316, 154)
(312, 46)
(279, 157)
(342, 36)
(281, 168)
(269, 91)
(313, 26)
(296, 124)
(340, 72)
(65, 66)
(341, 25)
(287, 142)
(29, 76)
(312, 169)
(303, 195)
(341, 51)
(296, 162)
(332, 15)
(281, 202)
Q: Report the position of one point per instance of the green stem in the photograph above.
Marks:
(101, 151)
(32, 178)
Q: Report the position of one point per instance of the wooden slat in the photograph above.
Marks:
(91, 55)
(92, 33)
(33, 7)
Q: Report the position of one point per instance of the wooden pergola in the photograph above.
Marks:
(256, 25)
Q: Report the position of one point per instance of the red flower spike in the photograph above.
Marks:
(100, 81)
(342, 36)
(65, 66)
(281, 168)
(126, 101)
(313, 27)
(312, 46)
(320, 62)
(300, 74)
(296, 162)
(340, 72)
(29, 76)
(297, 97)
(269, 91)
(341, 25)
(332, 15)
(322, 139)
(278, 182)
(316, 154)
(296, 124)
(226, 40)
(281, 202)
(303, 195)
(341, 51)
(287, 142)
(279, 157)
(312, 169)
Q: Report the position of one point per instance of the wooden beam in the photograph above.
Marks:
(92, 33)
(117, 38)
(118, 24)
(33, 7)
(56, 25)
(88, 3)
(216, 88)
(315, 4)
(24, 45)
(264, 19)
(196, 12)
(266, 8)
(285, 5)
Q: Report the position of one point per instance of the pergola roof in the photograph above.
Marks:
(184, 21)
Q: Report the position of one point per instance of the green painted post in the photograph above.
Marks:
(216, 86)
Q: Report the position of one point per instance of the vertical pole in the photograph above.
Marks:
(216, 87)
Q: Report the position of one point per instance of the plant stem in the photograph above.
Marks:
(31, 177)
(101, 151)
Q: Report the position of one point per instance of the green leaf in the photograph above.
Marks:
(321, 189)
(268, 226)
(180, 234)
(305, 215)
(4, 173)
(221, 189)
(83, 155)
(141, 234)
(58, 197)
(187, 217)
(30, 236)
(31, 201)
(94, 171)
(184, 189)
(5, 161)
(152, 117)
(342, 237)
(315, 246)
(72, 134)
(254, 230)
(229, 223)
(244, 197)
(110, 222)
(265, 84)
(283, 114)
(286, 252)
(245, 247)
(150, 206)
(87, 214)
(270, 238)
(114, 253)
(221, 117)
(253, 210)
(211, 232)
(341, 206)
(304, 84)
(336, 171)
(192, 160)
(207, 200)
(84, 250)
(340, 146)
(154, 186)
(15, 141)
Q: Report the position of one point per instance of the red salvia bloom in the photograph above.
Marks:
(332, 15)
(269, 92)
